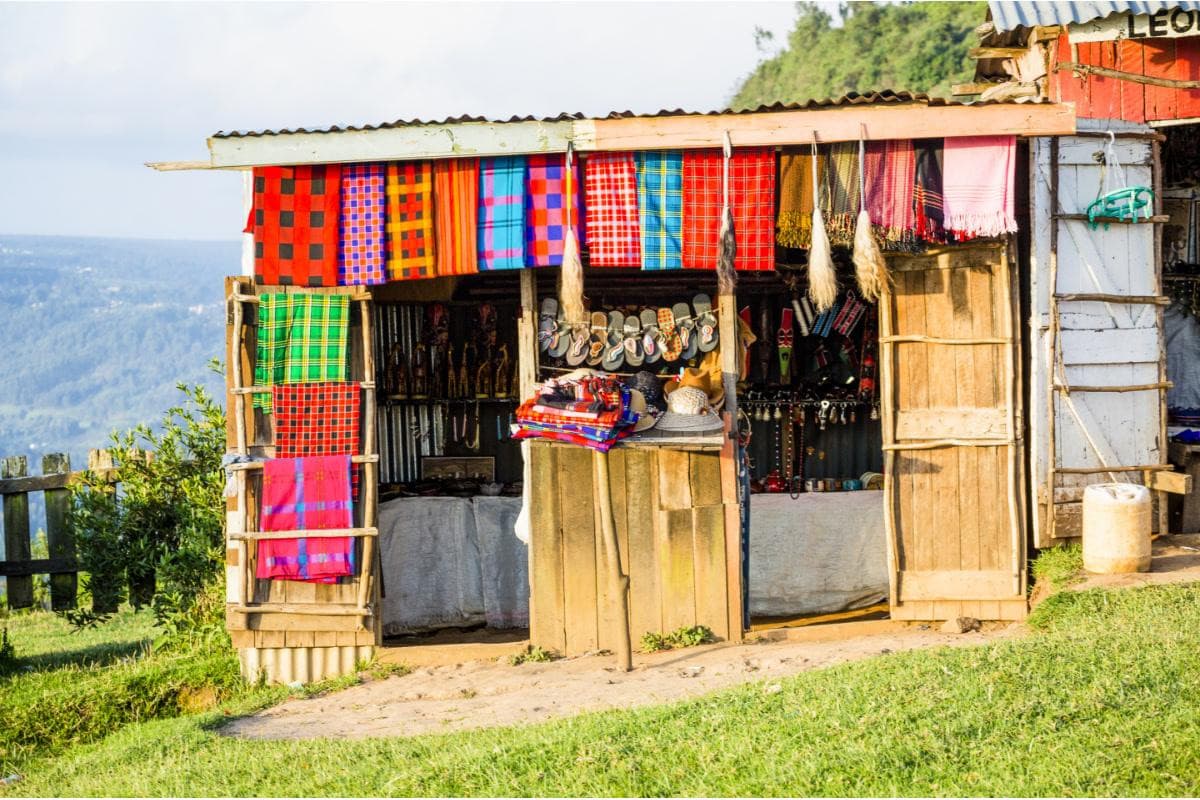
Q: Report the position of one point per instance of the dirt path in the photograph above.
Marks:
(494, 693)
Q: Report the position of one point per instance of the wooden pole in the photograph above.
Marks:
(618, 581)
(1052, 346)
(887, 399)
(1014, 422)
(1164, 523)
(370, 477)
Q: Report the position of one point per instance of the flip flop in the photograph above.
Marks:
(577, 345)
(686, 325)
(671, 346)
(614, 348)
(561, 340)
(547, 323)
(596, 338)
(634, 356)
(706, 323)
(651, 336)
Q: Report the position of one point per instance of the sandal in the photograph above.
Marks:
(596, 338)
(706, 323)
(652, 345)
(672, 346)
(548, 324)
(634, 355)
(561, 341)
(614, 349)
(686, 325)
(577, 345)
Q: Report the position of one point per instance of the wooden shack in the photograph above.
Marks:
(952, 338)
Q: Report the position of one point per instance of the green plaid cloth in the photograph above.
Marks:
(301, 339)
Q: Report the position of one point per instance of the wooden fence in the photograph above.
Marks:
(18, 566)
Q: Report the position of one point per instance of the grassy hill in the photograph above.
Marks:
(919, 47)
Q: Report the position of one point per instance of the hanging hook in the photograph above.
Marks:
(728, 145)
(570, 154)
(814, 144)
(862, 131)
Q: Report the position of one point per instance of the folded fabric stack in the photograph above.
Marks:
(593, 411)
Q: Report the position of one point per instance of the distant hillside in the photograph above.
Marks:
(919, 47)
(97, 332)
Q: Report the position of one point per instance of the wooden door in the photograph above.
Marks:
(952, 466)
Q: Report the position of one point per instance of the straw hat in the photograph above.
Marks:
(638, 405)
(689, 411)
(699, 378)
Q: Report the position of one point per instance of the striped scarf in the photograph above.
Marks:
(842, 181)
(796, 198)
(456, 215)
(927, 191)
(890, 169)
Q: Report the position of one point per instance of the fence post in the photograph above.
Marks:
(16, 533)
(60, 539)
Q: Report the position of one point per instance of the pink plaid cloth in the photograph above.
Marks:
(546, 212)
(361, 252)
(611, 198)
(299, 494)
(751, 197)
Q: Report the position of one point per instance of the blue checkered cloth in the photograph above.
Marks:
(502, 213)
(660, 202)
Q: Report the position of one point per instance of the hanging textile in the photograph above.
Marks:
(362, 253)
(890, 174)
(927, 192)
(545, 210)
(841, 178)
(295, 224)
(411, 252)
(501, 213)
(317, 419)
(301, 339)
(660, 208)
(978, 184)
(752, 197)
(611, 200)
(306, 494)
(456, 215)
(796, 198)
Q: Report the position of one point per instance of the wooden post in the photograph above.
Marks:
(527, 327)
(1007, 326)
(887, 411)
(727, 328)
(618, 581)
(1164, 523)
(16, 533)
(1052, 346)
(60, 539)
(370, 478)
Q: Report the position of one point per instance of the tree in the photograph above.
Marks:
(916, 47)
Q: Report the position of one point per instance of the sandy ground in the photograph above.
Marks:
(490, 693)
(1175, 559)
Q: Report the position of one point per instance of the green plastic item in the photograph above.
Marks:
(1121, 204)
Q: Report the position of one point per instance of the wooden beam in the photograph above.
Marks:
(37, 566)
(765, 129)
(1132, 77)
(960, 89)
(997, 52)
(1173, 482)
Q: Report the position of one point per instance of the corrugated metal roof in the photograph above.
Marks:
(886, 97)
(1008, 15)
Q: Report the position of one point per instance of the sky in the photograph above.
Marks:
(91, 91)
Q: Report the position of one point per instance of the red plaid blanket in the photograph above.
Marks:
(295, 224)
(752, 198)
(317, 419)
(611, 199)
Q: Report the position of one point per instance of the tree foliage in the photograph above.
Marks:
(918, 47)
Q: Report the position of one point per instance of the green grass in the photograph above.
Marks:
(1059, 567)
(1101, 698)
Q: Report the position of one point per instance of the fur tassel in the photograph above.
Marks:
(726, 274)
(822, 277)
(570, 287)
(869, 267)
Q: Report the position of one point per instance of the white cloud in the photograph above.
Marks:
(89, 91)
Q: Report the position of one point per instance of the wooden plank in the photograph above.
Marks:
(574, 481)
(705, 478)
(708, 526)
(956, 585)
(315, 622)
(37, 566)
(679, 575)
(674, 480)
(645, 602)
(950, 422)
(527, 346)
(60, 538)
(1173, 482)
(940, 546)
(16, 533)
(35, 483)
(547, 619)
(997, 52)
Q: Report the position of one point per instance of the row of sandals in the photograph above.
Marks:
(614, 339)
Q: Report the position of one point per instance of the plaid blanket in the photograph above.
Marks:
(362, 252)
(295, 222)
(751, 196)
(978, 185)
(301, 339)
(410, 220)
(841, 178)
(545, 209)
(317, 419)
(306, 494)
(660, 204)
(456, 214)
(611, 196)
(889, 178)
(927, 190)
(796, 198)
(568, 437)
(501, 213)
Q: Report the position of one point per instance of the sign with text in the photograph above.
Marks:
(1169, 23)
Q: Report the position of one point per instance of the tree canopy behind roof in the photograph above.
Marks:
(918, 47)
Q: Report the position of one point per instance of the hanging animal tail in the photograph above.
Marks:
(870, 269)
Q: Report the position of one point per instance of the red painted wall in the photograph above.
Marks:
(1096, 97)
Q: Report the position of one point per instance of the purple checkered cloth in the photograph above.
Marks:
(361, 252)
